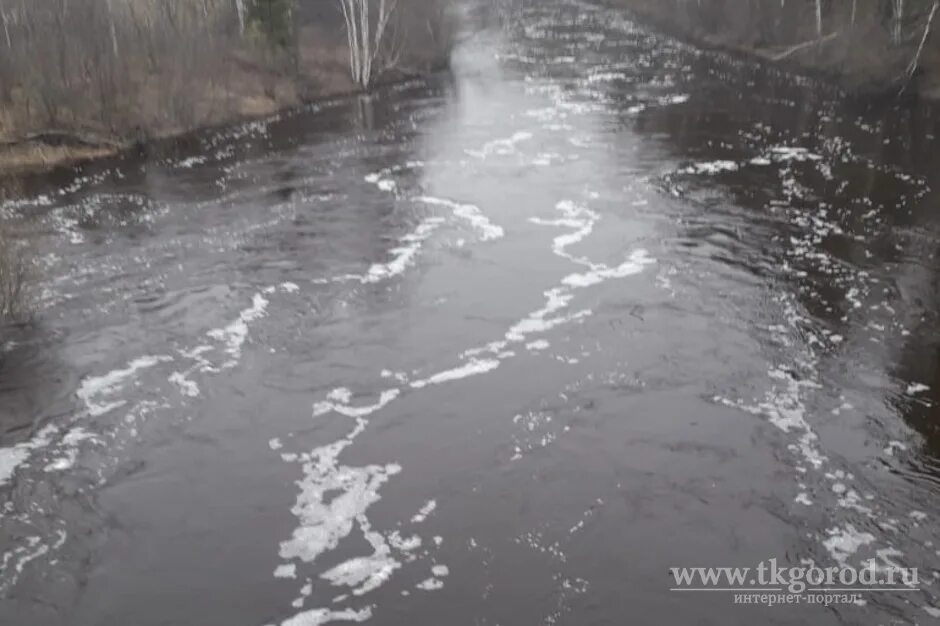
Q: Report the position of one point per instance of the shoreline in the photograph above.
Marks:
(41, 152)
(803, 59)
(44, 152)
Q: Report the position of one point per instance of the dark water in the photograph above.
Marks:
(497, 348)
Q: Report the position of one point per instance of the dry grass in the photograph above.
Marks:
(147, 69)
(15, 270)
(862, 54)
(34, 156)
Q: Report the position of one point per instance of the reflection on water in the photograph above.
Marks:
(498, 347)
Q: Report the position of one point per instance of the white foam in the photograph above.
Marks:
(37, 548)
(894, 445)
(844, 542)
(340, 394)
(638, 259)
(286, 571)
(339, 402)
(235, 334)
(803, 498)
(404, 544)
(582, 221)
(324, 521)
(784, 408)
(92, 388)
(382, 180)
(187, 387)
(403, 255)
(424, 512)
(318, 617)
(70, 443)
(333, 500)
(10, 459)
(430, 584)
(473, 367)
(469, 212)
(538, 321)
(711, 167)
(13, 457)
(674, 99)
(305, 592)
(370, 572)
(365, 573)
(501, 147)
(605, 77)
(577, 217)
(191, 162)
(793, 153)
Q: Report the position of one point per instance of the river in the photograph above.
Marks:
(502, 346)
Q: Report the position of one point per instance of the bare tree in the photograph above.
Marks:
(367, 38)
(915, 62)
(129, 69)
(898, 23)
(14, 274)
(240, 11)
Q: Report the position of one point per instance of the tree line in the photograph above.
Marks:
(888, 39)
(784, 20)
(160, 66)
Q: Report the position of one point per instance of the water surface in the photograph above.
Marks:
(499, 347)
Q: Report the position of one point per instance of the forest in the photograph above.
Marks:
(870, 46)
(86, 76)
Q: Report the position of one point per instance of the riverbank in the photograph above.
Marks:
(859, 53)
(164, 73)
(250, 90)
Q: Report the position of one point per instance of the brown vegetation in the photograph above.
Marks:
(125, 71)
(14, 279)
(870, 45)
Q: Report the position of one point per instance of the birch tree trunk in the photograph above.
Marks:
(366, 37)
(898, 20)
(240, 10)
(6, 27)
(366, 41)
(114, 41)
(912, 68)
